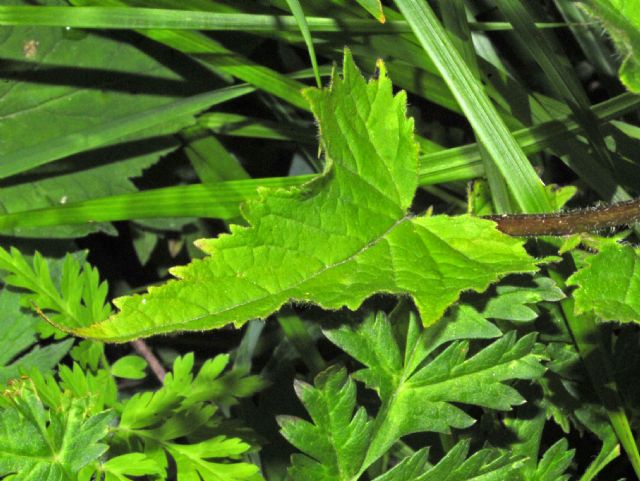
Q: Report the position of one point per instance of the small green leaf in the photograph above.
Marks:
(75, 297)
(47, 445)
(194, 461)
(129, 367)
(132, 464)
(335, 241)
(610, 284)
(555, 461)
(517, 302)
(335, 443)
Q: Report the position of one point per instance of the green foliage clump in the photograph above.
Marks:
(391, 329)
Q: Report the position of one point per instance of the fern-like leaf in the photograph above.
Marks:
(46, 445)
(76, 298)
(335, 443)
(418, 393)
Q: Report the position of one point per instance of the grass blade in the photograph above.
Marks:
(523, 182)
(180, 113)
(298, 13)
(221, 200)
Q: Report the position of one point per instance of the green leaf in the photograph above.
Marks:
(129, 367)
(132, 464)
(555, 461)
(186, 406)
(374, 7)
(417, 392)
(621, 18)
(336, 240)
(335, 443)
(78, 297)
(47, 445)
(517, 302)
(193, 461)
(18, 332)
(609, 285)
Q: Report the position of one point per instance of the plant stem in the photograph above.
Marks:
(154, 363)
(567, 223)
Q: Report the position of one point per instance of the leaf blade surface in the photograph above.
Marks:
(334, 241)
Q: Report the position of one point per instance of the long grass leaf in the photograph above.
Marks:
(180, 113)
(524, 184)
(130, 18)
(298, 14)
(221, 200)
(562, 79)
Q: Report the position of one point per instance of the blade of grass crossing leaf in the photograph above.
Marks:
(520, 176)
(221, 201)
(179, 114)
(158, 18)
(454, 19)
(562, 79)
(298, 13)
(115, 17)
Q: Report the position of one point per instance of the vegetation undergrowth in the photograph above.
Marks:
(220, 263)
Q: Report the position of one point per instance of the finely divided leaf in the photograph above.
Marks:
(335, 444)
(335, 241)
(419, 394)
(610, 284)
(47, 445)
(18, 334)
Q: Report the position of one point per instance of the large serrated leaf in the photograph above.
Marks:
(336, 240)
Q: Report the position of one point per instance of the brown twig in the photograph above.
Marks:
(567, 223)
(154, 363)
